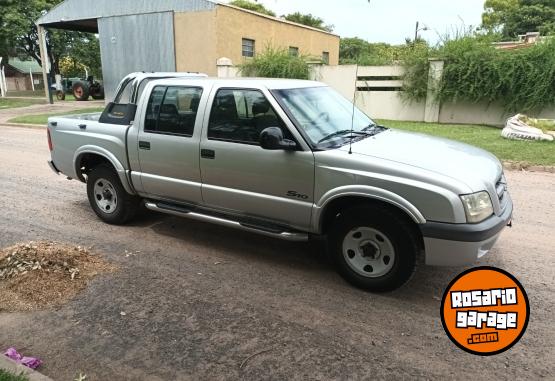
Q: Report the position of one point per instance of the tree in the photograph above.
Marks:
(252, 6)
(18, 28)
(514, 17)
(19, 36)
(309, 20)
(358, 51)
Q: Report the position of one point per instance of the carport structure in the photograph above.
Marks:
(134, 35)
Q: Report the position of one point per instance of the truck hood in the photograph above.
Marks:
(476, 168)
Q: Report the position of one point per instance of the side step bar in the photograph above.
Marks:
(195, 215)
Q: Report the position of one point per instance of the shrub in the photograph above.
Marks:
(276, 63)
(521, 79)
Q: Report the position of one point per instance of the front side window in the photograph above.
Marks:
(172, 110)
(240, 115)
(248, 47)
(327, 118)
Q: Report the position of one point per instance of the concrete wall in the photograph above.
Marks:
(195, 42)
(135, 43)
(233, 25)
(387, 103)
(201, 38)
(482, 113)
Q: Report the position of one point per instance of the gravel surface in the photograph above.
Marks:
(195, 301)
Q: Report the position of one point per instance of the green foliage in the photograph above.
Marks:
(356, 50)
(18, 36)
(276, 63)
(252, 6)
(7, 376)
(514, 17)
(522, 80)
(309, 20)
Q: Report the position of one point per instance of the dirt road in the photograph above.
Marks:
(200, 299)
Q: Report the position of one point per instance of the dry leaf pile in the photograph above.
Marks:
(40, 274)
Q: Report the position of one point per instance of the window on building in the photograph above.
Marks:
(293, 51)
(240, 116)
(173, 110)
(248, 47)
(326, 57)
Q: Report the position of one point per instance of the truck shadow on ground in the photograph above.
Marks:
(310, 257)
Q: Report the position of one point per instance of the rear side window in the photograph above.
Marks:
(172, 110)
(240, 115)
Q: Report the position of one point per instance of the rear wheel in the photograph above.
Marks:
(107, 197)
(373, 248)
(80, 91)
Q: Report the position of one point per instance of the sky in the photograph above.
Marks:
(388, 21)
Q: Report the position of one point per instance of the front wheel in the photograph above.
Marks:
(373, 248)
(107, 197)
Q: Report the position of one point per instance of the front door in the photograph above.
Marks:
(168, 144)
(241, 177)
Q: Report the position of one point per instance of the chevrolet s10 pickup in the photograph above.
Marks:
(289, 159)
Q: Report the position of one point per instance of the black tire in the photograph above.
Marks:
(394, 232)
(97, 92)
(60, 95)
(80, 91)
(126, 205)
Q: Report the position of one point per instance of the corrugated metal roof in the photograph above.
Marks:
(73, 10)
(24, 66)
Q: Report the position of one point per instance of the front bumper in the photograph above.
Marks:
(53, 167)
(462, 244)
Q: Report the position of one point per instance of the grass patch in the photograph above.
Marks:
(7, 376)
(26, 93)
(488, 138)
(6, 103)
(43, 118)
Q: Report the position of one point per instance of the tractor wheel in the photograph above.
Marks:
(80, 91)
(60, 95)
(97, 92)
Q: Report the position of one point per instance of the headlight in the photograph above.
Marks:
(477, 206)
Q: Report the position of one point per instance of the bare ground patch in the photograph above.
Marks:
(43, 274)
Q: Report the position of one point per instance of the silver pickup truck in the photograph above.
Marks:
(288, 159)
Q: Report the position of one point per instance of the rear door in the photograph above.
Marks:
(168, 143)
(241, 177)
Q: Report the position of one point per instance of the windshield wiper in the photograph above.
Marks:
(339, 133)
(373, 129)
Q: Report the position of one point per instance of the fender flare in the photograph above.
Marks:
(368, 192)
(112, 159)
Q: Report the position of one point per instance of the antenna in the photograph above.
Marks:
(353, 113)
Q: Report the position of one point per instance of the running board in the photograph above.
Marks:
(195, 215)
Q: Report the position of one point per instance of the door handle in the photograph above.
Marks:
(207, 154)
(144, 145)
(82, 126)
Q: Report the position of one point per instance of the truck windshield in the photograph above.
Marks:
(325, 116)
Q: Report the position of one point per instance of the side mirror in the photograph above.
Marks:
(271, 138)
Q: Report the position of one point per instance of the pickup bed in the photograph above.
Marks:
(288, 159)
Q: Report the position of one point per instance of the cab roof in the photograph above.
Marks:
(269, 83)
